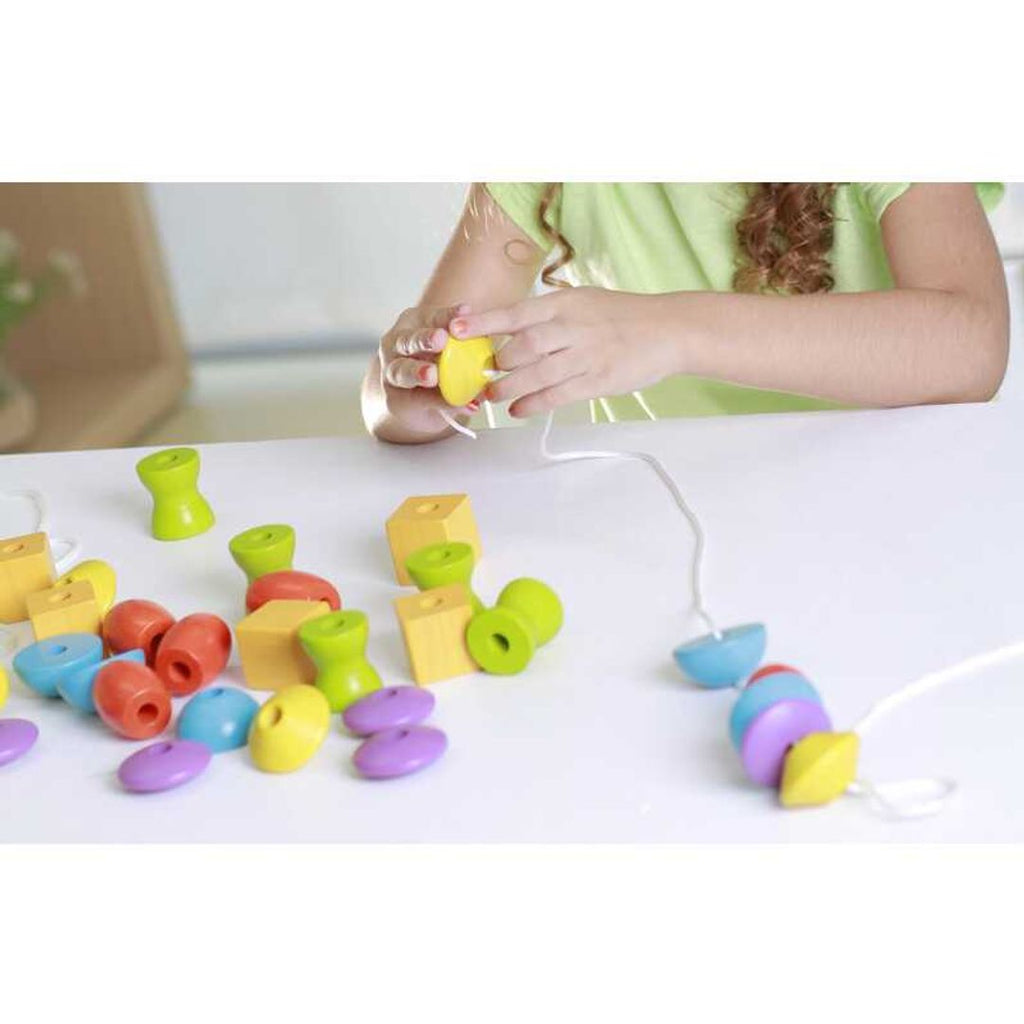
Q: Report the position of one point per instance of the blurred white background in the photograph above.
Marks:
(328, 264)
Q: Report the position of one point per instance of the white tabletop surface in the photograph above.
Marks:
(876, 546)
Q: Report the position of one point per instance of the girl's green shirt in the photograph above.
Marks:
(670, 237)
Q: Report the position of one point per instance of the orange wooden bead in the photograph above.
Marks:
(136, 624)
(290, 585)
(131, 700)
(193, 653)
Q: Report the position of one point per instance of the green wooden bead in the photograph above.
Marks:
(336, 644)
(503, 639)
(263, 549)
(172, 478)
(439, 565)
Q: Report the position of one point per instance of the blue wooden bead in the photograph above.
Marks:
(76, 686)
(42, 664)
(219, 717)
(717, 663)
(763, 694)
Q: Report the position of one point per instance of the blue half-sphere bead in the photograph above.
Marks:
(763, 694)
(42, 665)
(219, 717)
(716, 663)
(76, 686)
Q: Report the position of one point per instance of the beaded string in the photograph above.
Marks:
(903, 799)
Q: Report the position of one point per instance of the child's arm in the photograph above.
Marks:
(489, 262)
(941, 335)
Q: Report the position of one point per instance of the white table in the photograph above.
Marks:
(876, 546)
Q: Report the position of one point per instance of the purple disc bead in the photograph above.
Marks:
(401, 751)
(163, 765)
(389, 708)
(17, 736)
(770, 735)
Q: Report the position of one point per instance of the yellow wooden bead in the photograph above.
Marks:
(26, 566)
(433, 625)
(268, 644)
(461, 366)
(288, 730)
(429, 519)
(71, 608)
(5, 686)
(100, 575)
(819, 768)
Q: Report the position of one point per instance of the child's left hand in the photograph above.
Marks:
(570, 345)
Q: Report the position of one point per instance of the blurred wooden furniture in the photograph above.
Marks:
(106, 365)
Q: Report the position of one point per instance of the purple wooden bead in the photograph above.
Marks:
(770, 735)
(163, 765)
(17, 737)
(388, 709)
(401, 751)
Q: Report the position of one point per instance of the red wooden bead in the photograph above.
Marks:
(130, 698)
(136, 623)
(769, 670)
(290, 585)
(193, 652)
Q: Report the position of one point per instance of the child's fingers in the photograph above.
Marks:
(539, 375)
(410, 373)
(502, 321)
(529, 345)
(424, 340)
(444, 315)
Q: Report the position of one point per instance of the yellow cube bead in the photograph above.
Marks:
(268, 644)
(819, 768)
(71, 608)
(429, 519)
(100, 575)
(26, 567)
(433, 624)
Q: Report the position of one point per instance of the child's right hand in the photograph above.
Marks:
(408, 359)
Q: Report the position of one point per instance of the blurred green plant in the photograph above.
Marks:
(21, 292)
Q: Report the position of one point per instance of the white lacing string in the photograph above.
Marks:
(650, 460)
(673, 488)
(917, 798)
(42, 524)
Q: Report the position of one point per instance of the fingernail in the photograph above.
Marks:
(473, 406)
(458, 328)
(489, 393)
(438, 339)
(423, 373)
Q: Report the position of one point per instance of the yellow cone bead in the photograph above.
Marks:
(5, 686)
(100, 575)
(460, 369)
(288, 730)
(819, 768)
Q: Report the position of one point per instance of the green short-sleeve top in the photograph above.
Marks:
(667, 237)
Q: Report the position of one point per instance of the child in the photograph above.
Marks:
(713, 298)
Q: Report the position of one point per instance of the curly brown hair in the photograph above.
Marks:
(784, 237)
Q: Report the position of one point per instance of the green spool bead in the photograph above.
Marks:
(503, 639)
(263, 549)
(336, 644)
(172, 478)
(438, 565)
